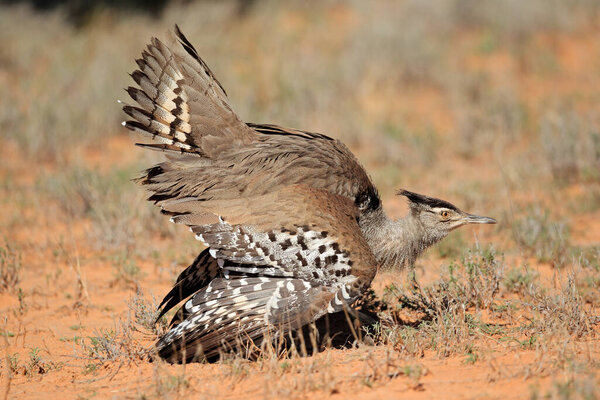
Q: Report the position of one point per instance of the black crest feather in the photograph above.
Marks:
(421, 199)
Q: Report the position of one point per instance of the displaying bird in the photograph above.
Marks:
(293, 225)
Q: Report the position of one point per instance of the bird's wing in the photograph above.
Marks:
(213, 155)
(287, 259)
(297, 231)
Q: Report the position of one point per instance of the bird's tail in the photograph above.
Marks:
(236, 314)
(195, 277)
(181, 105)
(229, 314)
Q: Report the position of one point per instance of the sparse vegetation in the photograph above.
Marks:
(571, 144)
(166, 383)
(584, 387)
(446, 324)
(494, 102)
(519, 279)
(452, 247)
(145, 313)
(35, 365)
(84, 193)
(10, 267)
(126, 271)
(13, 362)
(471, 283)
(560, 311)
(543, 238)
(117, 344)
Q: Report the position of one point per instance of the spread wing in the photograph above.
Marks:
(212, 154)
(286, 259)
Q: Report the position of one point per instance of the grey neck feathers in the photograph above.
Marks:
(396, 243)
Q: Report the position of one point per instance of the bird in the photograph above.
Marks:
(293, 225)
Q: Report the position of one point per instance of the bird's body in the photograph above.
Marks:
(293, 224)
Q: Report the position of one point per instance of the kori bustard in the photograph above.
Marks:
(292, 224)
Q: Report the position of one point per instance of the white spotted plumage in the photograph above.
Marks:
(304, 253)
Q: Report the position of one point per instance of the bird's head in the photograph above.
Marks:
(439, 217)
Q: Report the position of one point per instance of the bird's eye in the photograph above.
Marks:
(444, 214)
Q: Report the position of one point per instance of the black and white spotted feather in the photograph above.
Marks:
(297, 252)
(264, 279)
(195, 277)
(237, 312)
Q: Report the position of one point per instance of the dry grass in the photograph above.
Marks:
(571, 144)
(10, 267)
(490, 104)
(547, 240)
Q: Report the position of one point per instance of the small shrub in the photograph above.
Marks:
(564, 311)
(586, 202)
(145, 314)
(446, 326)
(571, 145)
(545, 239)
(126, 271)
(590, 258)
(22, 304)
(473, 282)
(117, 344)
(476, 280)
(559, 139)
(583, 386)
(116, 207)
(452, 246)
(36, 365)
(167, 384)
(517, 280)
(13, 362)
(10, 266)
(485, 115)
(587, 279)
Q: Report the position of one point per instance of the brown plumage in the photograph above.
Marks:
(293, 224)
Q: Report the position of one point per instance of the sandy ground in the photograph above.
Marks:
(72, 288)
(71, 292)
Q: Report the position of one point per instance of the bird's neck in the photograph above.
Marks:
(395, 243)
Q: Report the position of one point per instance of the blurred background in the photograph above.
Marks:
(492, 105)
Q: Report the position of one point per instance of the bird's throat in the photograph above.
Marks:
(396, 243)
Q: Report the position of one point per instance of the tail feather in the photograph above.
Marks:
(162, 91)
(157, 110)
(181, 103)
(230, 314)
(217, 324)
(156, 67)
(189, 48)
(195, 277)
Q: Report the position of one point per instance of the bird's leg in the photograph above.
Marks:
(412, 274)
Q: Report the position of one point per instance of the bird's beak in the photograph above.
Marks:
(476, 219)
